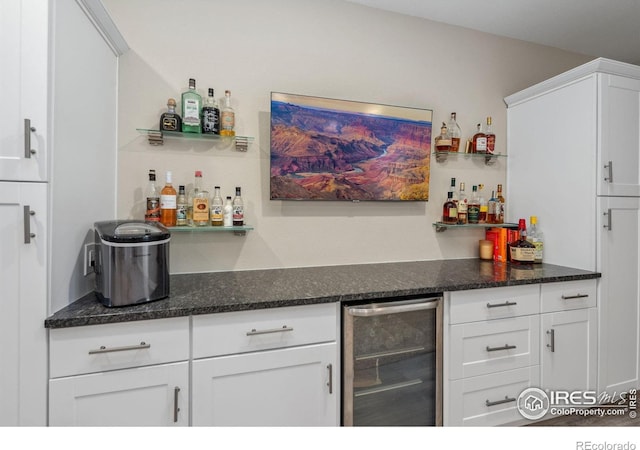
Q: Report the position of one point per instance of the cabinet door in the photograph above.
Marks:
(619, 294)
(23, 89)
(287, 387)
(569, 353)
(144, 396)
(23, 277)
(619, 137)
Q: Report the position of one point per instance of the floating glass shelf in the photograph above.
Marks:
(488, 159)
(157, 137)
(238, 231)
(441, 226)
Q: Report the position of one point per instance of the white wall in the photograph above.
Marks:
(325, 48)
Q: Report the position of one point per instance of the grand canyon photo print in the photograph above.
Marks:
(326, 149)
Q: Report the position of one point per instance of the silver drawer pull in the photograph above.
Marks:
(552, 336)
(498, 305)
(506, 399)
(570, 297)
(176, 410)
(27, 213)
(330, 382)
(505, 347)
(104, 349)
(28, 129)
(284, 328)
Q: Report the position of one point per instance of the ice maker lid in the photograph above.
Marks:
(131, 231)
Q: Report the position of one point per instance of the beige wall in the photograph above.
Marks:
(325, 48)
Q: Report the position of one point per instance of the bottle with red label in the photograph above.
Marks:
(490, 137)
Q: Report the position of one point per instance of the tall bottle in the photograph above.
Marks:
(227, 117)
(181, 207)
(449, 210)
(217, 211)
(536, 237)
(200, 202)
(522, 251)
(452, 189)
(484, 206)
(443, 141)
(191, 105)
(501, 203)
(168, 203)
(228, 212)
(152, 213)
(454, 133)
(473, 211)
(490, 136)
(479, 141)
(238, 209)
(170, 120)
(463, 206)
(210, 115)
(492, 216)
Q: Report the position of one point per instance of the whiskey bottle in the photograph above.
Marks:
(238, 209)
(191, 105)
(491, 137)
(152, 213)
(522, 251)
(168, 203)
(500, 211)
(452, 189)
(210, 115)
(449, 210)
(536, 237)
(170, 120)
(227, 117)
(454, 133)
(443, 141)
(484, 207)
(479, 142)
(463, 206)
(200, 202)
(473, 209)
(492, 216)
(217, 213)
(181, 207)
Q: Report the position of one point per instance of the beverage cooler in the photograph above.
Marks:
(392, 363)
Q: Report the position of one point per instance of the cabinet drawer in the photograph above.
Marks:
(247, 331)
(493, 303)
(98, 348)
(480, 348)
(568, 295)
(490, 400)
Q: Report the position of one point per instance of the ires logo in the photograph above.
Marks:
(575, 398)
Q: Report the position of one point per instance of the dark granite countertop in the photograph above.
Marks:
(216, 292)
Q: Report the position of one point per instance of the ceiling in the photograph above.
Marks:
(598, 28)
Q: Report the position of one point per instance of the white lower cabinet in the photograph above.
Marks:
(295, 386)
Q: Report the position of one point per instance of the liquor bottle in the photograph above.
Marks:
(536, 237)
(484, 207)
(170, 120)
(217, 213)
(227, 117)
(473, 209)
(449, 210)
(463, 206)
(493, 205)
(443, 141)
(168, 203)
(522, 251)
(228, 212)
(479, 142)
(238, 209)
(210, 115)
(454, 133)
(200, 202)
(491, 137)
(152, 213)
(191, 105)
(452, 189)
(501, 201)
(181, 207)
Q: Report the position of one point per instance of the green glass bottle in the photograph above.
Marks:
(191, 106)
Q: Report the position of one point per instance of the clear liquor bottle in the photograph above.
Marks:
(238, 209)
(452, 189)
(473, 212)
(484, 206)
(227, 117)
(191, 105)
(454, 133)
(492, 216)
(152, 212)
(181, 207)
(463, 206)
(210, 115)
(536, 237)
(217, 212)
(200, 202)
(170, 120)
(168, 203)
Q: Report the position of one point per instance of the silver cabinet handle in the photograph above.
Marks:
(27, 213)
(552, 335)
(176, 410)
(284, 329)
(104, 349)
(506, 399)
(499, 305)
(608, 224)
(504, 347)
(571, 297)
(330, 382)
(609, 166)
(28, 129)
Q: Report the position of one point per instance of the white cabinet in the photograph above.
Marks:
(23, 277)
(276, 367)
(124, 374)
